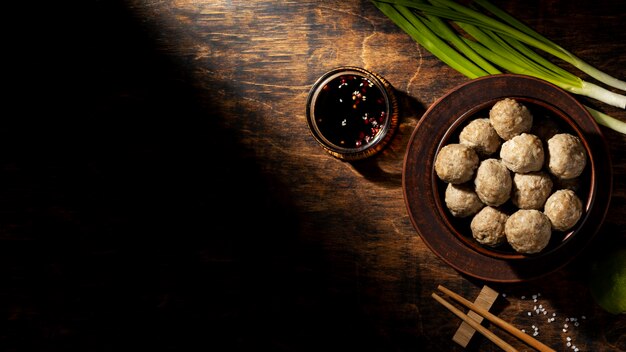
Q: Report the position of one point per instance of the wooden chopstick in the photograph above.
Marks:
(497, 321)
(475, 325)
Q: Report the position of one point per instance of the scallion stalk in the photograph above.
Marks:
(576, 61)
(484, 41)
(534, 39)
(518, 63)
(607, 121)
(439, 26)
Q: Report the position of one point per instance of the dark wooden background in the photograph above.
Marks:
(160, 190)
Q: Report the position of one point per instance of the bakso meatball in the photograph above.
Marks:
(523, 153)
(530, 191)
(564, 209)
(455, 163)
(480, 135)
(528, 231)
(462, 201)
(493, 182)
(488, 226)
(566, 156)
(510, 118)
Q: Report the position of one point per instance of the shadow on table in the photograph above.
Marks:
(385, 168)
(132, 216)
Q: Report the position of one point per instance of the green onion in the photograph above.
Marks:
(608, 121)
(485, 43)
(574, 60)
(437, 25)
(413, 25)
(532, 38)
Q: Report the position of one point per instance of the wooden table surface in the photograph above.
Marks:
(161, 189)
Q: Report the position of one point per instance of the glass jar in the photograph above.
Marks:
(352, 112)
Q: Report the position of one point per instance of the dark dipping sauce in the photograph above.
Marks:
(350, 111)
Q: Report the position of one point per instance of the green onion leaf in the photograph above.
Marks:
(485, 45)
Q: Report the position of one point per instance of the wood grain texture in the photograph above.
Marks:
(161, 189)
(485, 299)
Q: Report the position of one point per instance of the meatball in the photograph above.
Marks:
(493, 182)
(456, 163)
(528, 231)
(510, 118)
(462, 201)
(566, 156)
(488, 226)
(564, 209)
(531, 190)
(480, 135)
(523, 153)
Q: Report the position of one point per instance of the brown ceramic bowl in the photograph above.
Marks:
(451, 238)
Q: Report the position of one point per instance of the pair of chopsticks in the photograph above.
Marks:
(492, 318)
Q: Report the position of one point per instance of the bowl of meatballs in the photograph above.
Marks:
(507, 178)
